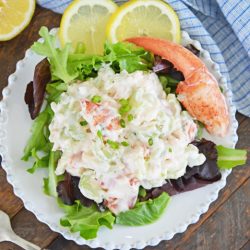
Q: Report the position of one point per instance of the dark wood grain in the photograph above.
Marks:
(28, 227)
(9, 203)
(246, 246)
(9, 246)
(224, 226)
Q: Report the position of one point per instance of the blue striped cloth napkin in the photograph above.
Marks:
(222, 27)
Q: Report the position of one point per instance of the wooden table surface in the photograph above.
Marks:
(225, 226)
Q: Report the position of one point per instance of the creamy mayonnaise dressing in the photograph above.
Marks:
(112, 160)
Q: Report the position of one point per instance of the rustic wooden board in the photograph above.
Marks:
(9, 203)
(246, 246)
(231, 210)
(9, 246)
(221, 230)
(28, 227)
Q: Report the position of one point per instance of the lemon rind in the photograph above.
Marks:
(117, 16)
(18, 29)
(72, 8)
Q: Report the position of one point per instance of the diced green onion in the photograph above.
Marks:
(125, 106)
(96, 99)
(125, 144)
(150, 141)
(113, 144)
(124, 109)
(99, 134)
(122, 123)
(130, 117)
(123, 102)
(83, 123)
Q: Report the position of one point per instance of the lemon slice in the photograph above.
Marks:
(85, 21)
(14, 17)
(153, 18)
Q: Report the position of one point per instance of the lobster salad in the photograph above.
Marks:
(120, 133)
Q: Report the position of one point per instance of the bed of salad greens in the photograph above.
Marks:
(67, 66)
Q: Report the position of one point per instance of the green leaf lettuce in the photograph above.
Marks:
(229, 157)
(57, 57)
(85, 220)
(50, 183)
(144, 212)
(39, 137)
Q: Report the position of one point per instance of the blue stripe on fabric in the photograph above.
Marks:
(219, 29)
(244, 61)
(62, 4)
(193, 27)
(246, 23)
(202, 18)
(202, 5)
(224, 39)
(244, 26)
(187, 18)
(236, 19)
(210, 5)
(173, 2)
(248, 105)
(232, 8)
(186, 8)
(242, 85)
(207, 44)
(223, 4)
(202, 35)
(247, 36)
(242, 97)
(47, 2)
(215, 53)
(241, 50)
(240, 73)
(235, 64)
(229, 45)
(223, 72)
(220, 64)
(212, 25)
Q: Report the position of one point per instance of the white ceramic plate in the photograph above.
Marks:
(15, 124)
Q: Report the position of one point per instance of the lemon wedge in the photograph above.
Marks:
(153, 18)
(84, 21)
(14, 17)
